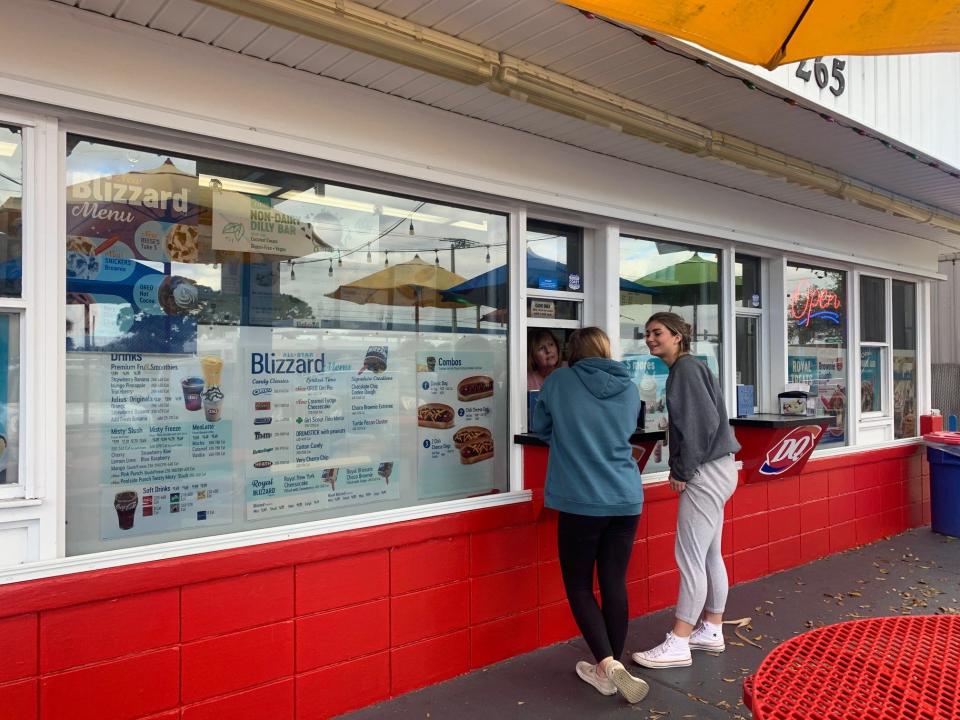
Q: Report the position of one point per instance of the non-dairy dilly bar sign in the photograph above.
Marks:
(242, 223)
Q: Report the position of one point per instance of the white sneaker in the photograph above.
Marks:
(632, 688)
(672, 652)
(589, 674)
(704, 639)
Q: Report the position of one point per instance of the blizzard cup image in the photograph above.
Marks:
(212, 404)
(125, 503)
(192, 392)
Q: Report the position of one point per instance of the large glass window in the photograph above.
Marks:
(904, 359)
(11, 252)
(249, 348)
(554, 256)
(817, 340)
(659, 276)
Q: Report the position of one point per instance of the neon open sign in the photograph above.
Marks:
(808, 302)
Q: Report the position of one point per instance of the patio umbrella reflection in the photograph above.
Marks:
(414, 284)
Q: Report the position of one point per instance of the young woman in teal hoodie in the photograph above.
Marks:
(587, 413)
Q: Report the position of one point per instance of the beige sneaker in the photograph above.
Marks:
(591, 675)
(632, 688)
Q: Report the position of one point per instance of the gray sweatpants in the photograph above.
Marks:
(703, 576)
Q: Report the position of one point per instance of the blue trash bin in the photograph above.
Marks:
(944, 487)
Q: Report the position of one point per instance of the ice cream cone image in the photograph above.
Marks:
(211, 366)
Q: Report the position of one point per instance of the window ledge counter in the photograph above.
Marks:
(535, 453)
(777, 446)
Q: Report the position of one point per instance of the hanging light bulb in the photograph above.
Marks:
(436, 258)
(330, 269)
(369, 254)
(410, 229)
(339, 260)
(292, 274)
(488, 254)
(386, 257)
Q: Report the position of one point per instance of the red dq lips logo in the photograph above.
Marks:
(792, 449)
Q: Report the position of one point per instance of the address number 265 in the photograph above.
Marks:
(822, 76)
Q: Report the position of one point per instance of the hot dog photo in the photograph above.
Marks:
(435, 415)
(474, 452)
(474, 387)
(470, 434)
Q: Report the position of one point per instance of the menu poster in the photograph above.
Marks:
(149, 215)
(455, 422)
(904, 393)
(650, 375)
(166, 445)
(242, 223)
(323, 428)
(130, 307)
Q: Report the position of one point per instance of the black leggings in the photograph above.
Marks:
(604, 542)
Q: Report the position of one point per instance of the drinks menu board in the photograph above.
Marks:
(165, 448)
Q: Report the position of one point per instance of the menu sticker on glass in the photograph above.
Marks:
(455, 422)
(323, 428)
(166, 447)
(242, 223)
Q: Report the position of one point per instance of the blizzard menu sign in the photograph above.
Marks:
(322, 430)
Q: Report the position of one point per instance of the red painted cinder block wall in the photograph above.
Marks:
(316, 627)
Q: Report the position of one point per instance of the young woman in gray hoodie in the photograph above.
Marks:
(702, 470)
(587, 413)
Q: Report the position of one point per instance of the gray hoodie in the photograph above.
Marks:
(699, 428)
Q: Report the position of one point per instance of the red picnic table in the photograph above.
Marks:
(888, 668)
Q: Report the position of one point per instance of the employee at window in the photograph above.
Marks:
(543, 357)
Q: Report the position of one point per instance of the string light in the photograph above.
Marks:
(436, 258)
(411, 231)
(488, 254)
(369, 254)
(292, 274)
(330, 269)
(386, 257)
(339, 259)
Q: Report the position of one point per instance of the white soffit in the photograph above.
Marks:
(561, 39)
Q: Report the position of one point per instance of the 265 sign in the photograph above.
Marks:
(822, 76)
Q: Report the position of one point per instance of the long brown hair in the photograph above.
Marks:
(534, 341)
(587, 342)
(676, 325)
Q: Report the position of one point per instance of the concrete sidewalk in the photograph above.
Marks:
(917, 573)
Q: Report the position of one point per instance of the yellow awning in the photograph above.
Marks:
(775, 32)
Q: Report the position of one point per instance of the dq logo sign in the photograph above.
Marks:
(792, 449)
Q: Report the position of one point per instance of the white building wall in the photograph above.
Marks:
(914, 99)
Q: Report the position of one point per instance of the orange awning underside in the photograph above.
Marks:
(775, 32)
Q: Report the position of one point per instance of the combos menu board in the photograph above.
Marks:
(165, 445)
(323, 428)
(455, 422)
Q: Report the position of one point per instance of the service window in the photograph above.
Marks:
(904, 359)
(658, 276)
(249, 348)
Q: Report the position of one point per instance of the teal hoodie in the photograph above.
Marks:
(587, 414)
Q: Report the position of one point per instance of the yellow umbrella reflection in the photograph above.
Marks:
(776, 33)
(414, 284)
